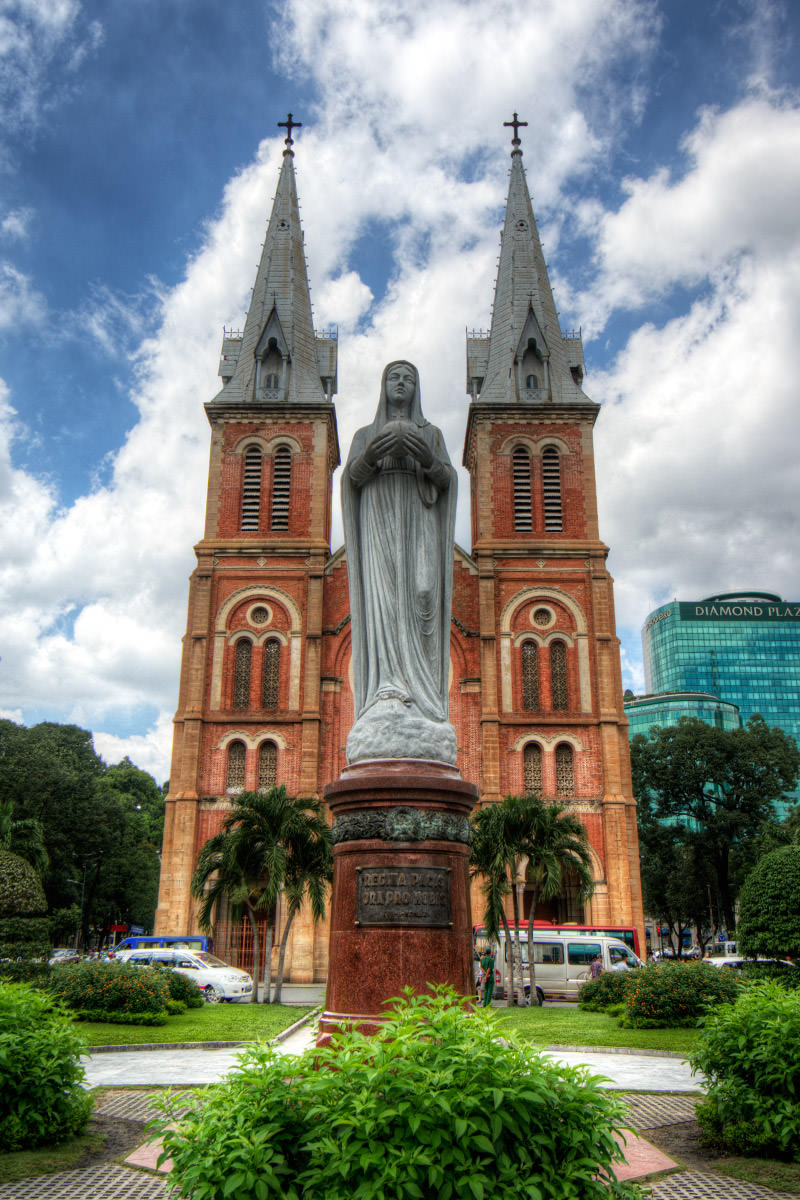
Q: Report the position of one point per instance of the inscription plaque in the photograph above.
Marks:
(389, 895)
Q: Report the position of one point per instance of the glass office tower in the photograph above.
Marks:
(668, 708)
(743, 647)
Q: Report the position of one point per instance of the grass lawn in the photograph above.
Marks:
(211, 1023)
(21, 1164)
(781, 1176)
(572, 1027)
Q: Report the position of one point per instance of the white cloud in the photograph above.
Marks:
(16, 224)
(149, 751)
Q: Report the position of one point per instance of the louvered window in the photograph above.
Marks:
(251, 489)
(558, 676)
(241, 673)
(267, 765)
(522, 489)
(551, 484)
(281, 482)
(532, 766)
(530, 676)
(271, 674)
(236, 760)
(565, 770)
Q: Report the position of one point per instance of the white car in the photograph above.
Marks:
(216, 979)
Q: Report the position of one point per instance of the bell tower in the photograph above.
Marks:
(551, 711)
(249, 700)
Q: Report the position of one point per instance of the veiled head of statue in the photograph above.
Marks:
(400, 398)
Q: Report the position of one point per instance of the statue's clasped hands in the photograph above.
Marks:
(399, 439)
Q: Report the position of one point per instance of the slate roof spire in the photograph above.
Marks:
(278, 357)
(526, 358)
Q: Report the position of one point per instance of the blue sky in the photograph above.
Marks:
(138, 156)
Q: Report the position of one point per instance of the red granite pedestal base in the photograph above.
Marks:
(400, 910)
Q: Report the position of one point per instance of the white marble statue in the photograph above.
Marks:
(399, 503)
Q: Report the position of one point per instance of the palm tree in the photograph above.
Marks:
(251, 859)
(308, 874)
(490, 855)
(555, 842)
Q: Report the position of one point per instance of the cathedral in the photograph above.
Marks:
(266, 681)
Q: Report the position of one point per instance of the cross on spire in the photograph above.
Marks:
(516, 125)
(289, 125)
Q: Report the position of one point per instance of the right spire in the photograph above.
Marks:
(525, 359)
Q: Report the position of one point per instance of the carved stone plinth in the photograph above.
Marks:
(400, 911)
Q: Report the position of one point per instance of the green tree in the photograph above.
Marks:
(308, 874)
(24, 837)
(248, 863)
(720, 785)
(491, 857)
(555, 844)
(769, 906)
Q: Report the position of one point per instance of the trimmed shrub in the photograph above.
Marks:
(98, 1016)
(181, 988)
(110, 987)
(609, 988)
(787, 975)
(672, 994)
(769, 906)
(433, 1106)
(25, 944)
(750, 1054)
(41, 1098)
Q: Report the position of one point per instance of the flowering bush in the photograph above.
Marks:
(676, 993)
(180, 988)
(110, 987)
(750, 1054)
(41, 1100)
(434, 1106)
(609, 988)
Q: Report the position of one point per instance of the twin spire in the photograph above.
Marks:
(525, 359)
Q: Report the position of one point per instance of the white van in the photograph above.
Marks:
(216, 979)
(562, 962)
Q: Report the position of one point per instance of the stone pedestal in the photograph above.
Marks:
(400, 910)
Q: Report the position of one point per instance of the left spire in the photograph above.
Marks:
(278, 357)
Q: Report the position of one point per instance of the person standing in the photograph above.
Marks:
(487, 965)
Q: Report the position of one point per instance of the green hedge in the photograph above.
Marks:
(41, 1100)
(750, 1054)
(432, 1107)
(609, 988)
(110, 987)
(20, 888)
(769, 906)
(672, 994)
(181, 988)
(115, 1017)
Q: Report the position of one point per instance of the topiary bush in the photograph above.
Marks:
(750, 1054)
(769, 906)
(41, 1097)
(433, 1106)
(110, 987)
(673, 994)
(25, 944)
(181, 988)
(786, 974)
(609, 988)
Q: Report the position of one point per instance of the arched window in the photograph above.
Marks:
(241, 673)
(271, 674)
(565, 769)
(234, 778)
(530, 676)
(281, 483)
(551, 484)
(522, 489)
(251, 488)
(267, 765)
(532, 382)
(532, 768)
(558, 676)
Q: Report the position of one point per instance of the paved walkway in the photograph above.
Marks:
(666, 1078)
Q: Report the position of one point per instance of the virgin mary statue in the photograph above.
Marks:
(399, 502)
